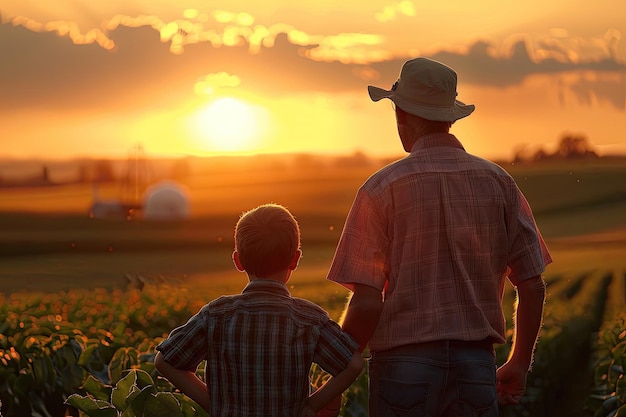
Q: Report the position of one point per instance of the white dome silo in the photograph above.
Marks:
(166, 200)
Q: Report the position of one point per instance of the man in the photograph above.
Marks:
(426, 249)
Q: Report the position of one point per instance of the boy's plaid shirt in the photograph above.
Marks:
(259, 346)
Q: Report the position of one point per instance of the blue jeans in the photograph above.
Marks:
(433, 380)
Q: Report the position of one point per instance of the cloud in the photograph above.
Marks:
(48, 71)
(591, 89)
(392, 11)
(599, 80)
(481, 65)
(213, 82)
(145, 62)
(561, 46)
(69, 29)
(348, 48)
(153, 63)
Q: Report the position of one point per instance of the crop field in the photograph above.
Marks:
(83, 301)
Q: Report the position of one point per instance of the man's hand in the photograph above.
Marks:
(511, 383)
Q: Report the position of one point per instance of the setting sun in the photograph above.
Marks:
(230, 124)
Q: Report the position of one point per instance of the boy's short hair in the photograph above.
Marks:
(266, 239)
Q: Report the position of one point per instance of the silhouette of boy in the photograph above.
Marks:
(259, 345)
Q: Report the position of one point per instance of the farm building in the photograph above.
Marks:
(166, 200)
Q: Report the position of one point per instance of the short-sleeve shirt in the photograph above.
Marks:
(259, 346)
(438, 232)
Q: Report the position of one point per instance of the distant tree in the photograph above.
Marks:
(307, 161)
(541, 154)
(103, 171)
(570, 146)
(524, 154)
(83, 174)
(521, 153)
(45, 174)
(575, 146)
(357, 159)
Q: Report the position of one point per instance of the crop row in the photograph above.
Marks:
(92, 352)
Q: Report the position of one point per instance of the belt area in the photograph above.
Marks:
(409, 350)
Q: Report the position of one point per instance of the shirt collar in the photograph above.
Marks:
(267, 285)
(432, 140)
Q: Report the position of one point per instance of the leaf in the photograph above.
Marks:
(148, 367)
(163, 404)
(621, 412)
(620, 389)
(91, 407)
(40, 371)
(619, 350)
(91, 361)
(38, 406)
(189, 407)
(120, 362)
(128, 413)
(51, 380)
(97, 389)
(606, 407)
(23, 384)
(134, 391)
(615, 372)
(139, 400)
(4, 327)
(122, 390)
(85, 356)
(70, 374)
(144, 379)
(76, 346)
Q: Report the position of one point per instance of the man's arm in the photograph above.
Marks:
(186, 381)
(362, 312)
(512, 375)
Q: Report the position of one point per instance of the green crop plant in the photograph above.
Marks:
(135, 394)
(609, 394)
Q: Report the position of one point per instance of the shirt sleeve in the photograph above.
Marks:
(529, 254)
(186, 346)
(335, 348)
(361, 256)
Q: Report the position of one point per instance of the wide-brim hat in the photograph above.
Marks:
(426, 88)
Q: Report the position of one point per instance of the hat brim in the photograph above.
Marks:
(452, 113)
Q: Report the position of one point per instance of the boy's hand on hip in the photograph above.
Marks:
(331, 409)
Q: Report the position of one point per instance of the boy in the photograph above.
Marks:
(259, 345)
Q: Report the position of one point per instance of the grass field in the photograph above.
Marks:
(48, 243)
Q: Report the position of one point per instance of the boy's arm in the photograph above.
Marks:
(336, 385)
(186, 381)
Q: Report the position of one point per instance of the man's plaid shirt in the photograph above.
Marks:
(438, 232)
(259, 346)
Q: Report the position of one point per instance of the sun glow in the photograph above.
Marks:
(229, 124)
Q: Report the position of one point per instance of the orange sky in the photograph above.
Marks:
(79, 79)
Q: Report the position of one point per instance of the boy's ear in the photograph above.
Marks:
(296, 258)
(237, 262)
